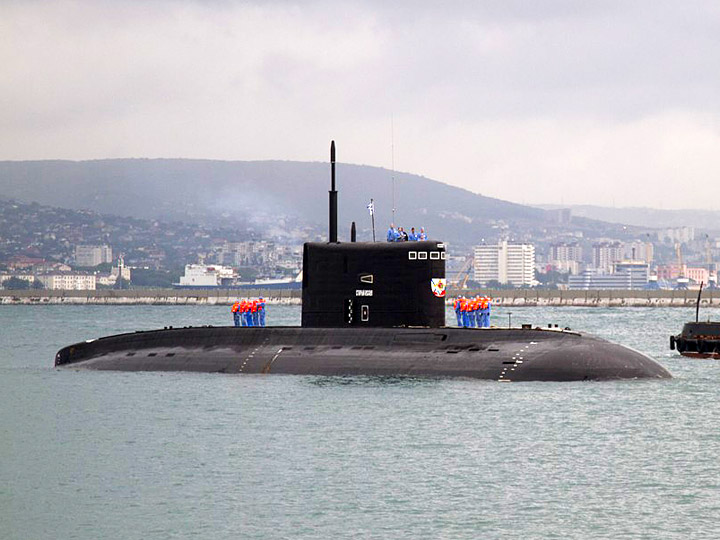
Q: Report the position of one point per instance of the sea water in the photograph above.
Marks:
(109, 455)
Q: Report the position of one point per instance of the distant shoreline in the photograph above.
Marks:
(517, 297)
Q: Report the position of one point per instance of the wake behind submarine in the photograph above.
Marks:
(369, 309)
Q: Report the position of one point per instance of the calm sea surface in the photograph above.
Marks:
(99, 455)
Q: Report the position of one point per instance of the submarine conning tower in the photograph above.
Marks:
(373, 284)
(378, 284)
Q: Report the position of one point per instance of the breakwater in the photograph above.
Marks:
(149, 296)
(596, 298)
(516, 297)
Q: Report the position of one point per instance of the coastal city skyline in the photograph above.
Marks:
(555, 103)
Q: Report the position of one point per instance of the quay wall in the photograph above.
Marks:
(516, 297)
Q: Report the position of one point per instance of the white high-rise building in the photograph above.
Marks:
(566, 257)
(606, 254)
(506, 263)
(566, 252)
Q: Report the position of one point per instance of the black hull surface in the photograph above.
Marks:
(491, 353)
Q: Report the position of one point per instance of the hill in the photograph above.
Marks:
(229, 193)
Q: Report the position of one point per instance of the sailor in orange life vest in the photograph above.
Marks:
(484, 314)
(254, 312)
(248, 313)
(477, 312)
(236, 313)
(464, 309)
(243, 313)
(468, 314)
(457, 306)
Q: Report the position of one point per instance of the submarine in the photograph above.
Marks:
(369, 309)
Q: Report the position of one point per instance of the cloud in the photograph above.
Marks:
(531, 102)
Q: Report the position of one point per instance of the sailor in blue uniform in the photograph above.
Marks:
(422, 236)
(488, 308)
(261, 311)
(392, 234)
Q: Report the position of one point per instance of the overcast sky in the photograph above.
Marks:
(546, 101)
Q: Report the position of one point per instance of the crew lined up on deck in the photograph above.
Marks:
(400, 235)
(473, 312)
(249, 312)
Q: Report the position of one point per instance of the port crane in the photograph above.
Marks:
(463, 275)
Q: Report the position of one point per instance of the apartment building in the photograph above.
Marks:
(504, 262)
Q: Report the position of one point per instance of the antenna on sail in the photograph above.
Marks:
(392, 163)
(332, 236)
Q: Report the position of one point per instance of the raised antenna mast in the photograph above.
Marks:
(392, 163)
(332, 236)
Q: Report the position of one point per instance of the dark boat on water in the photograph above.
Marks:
(375, 309)
(698, 339)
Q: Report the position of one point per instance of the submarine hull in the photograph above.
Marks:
(500, 354)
